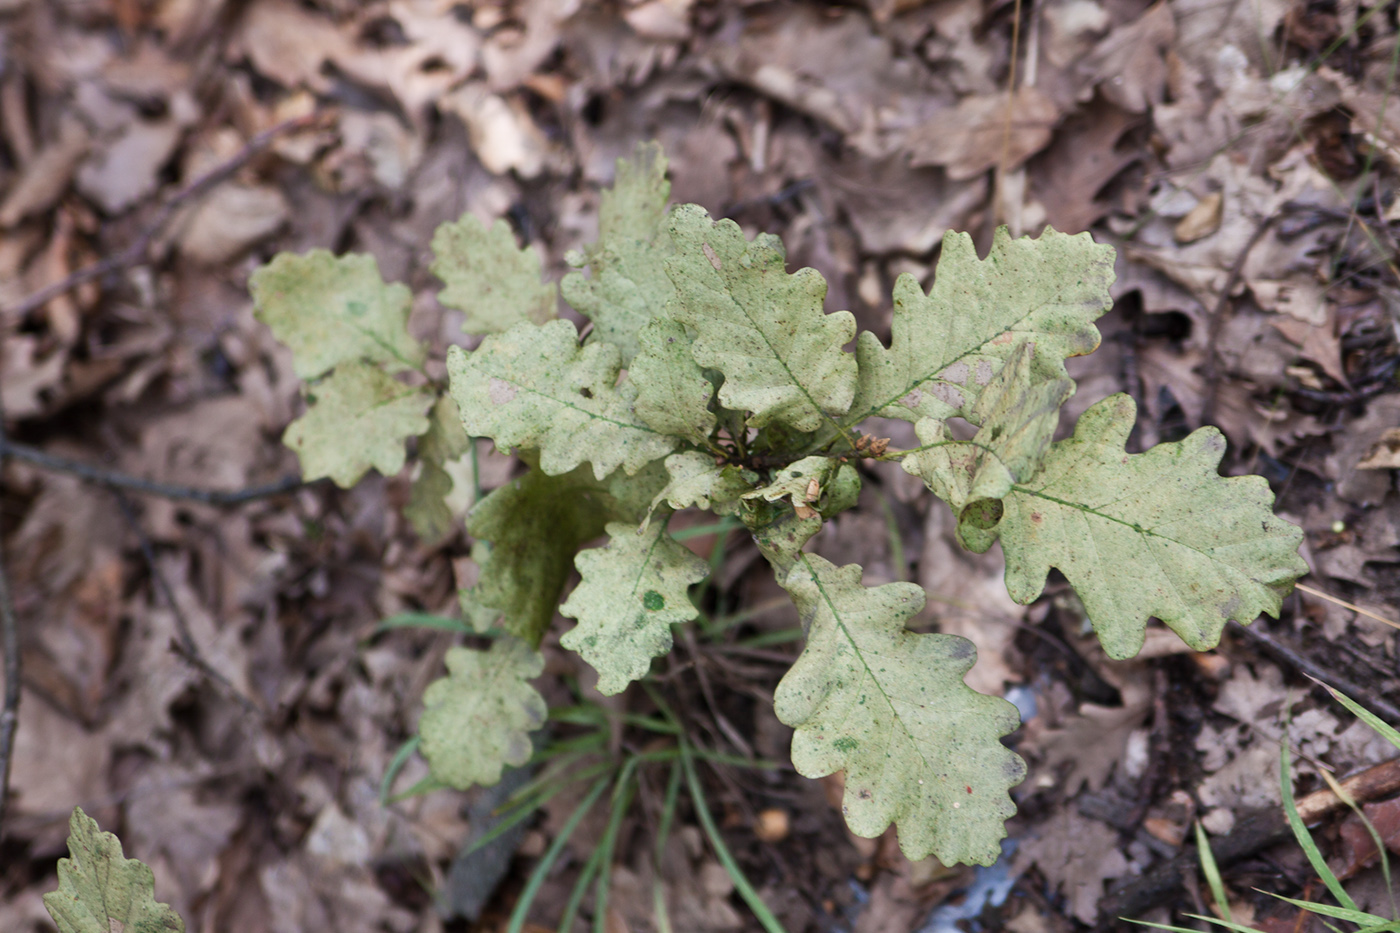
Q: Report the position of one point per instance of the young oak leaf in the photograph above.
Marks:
(359, 419)
(673, 395)
(634, 589)
(764, 329)
(331, 310)
(101, 891)
(697, 481)
(445, 442)
(1017, 417)
(489, 277)
(799, 482)
(889, 707)
(533, 387)
(1159, 534)
(629, 285)
(947, 345)
(477, 719)
(535, 525)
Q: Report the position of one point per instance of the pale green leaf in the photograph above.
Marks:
(948, 344)
(697, 481)
(634, 589)
(535, 525)
(489, 277)
(673, 395)
(535, 388)
(1017, 418)
(444, 443)
(889, 707)
(331, 310)
(477, 719)
(800, 483)
(100, 891)
(357, 418)
(762, 328)
(779, 532)
(628, 286)
(1154, 534)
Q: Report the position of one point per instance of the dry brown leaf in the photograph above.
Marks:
(1130, 63)
(1318, 343)
(46, 176)
(233, 217)
(289, 44)
(127, 169)
(1069, 175)
(1076, 855)
(1095, 740)
(1355, 443)
(503, 135)
(1385, 455)
(974, 137)
(24, 377)
(1201, 221)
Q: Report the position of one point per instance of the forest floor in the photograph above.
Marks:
(209, 681)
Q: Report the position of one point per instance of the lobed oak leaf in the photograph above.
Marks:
(489, 277)
(334, 309)
(629, 285)
(358, 418)
(534, 387)
(889, 707)
(477, 719)
(1160, 533)
(764, 329)
(101, 891)
(634, 589)
(947, 345)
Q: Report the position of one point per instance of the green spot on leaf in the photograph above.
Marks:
(653, 600)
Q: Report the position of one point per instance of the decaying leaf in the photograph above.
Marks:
(489, 277)
(948, 344)
(764, 329)
(889, 707)
(359, 417)
(477, 719)
(533, 387)
(535, 525)
(101, 891)
(1017, 418)
(1154, 534)
(634, 589)
(333, 310)
(628, 286)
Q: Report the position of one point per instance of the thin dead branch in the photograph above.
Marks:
(9, 642)
(114, 480)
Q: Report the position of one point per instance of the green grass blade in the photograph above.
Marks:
(1327, 910)
(1385, 731)
(668, 810)
(726, 858)
(1300, 832)
(622, 799)
(1212, 873)
(395, 766)
(551, 855)
(590, 869)
(424, 620)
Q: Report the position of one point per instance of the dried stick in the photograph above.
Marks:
(135, 252)
(1251, 834)
(9, 641)
(113, 480)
